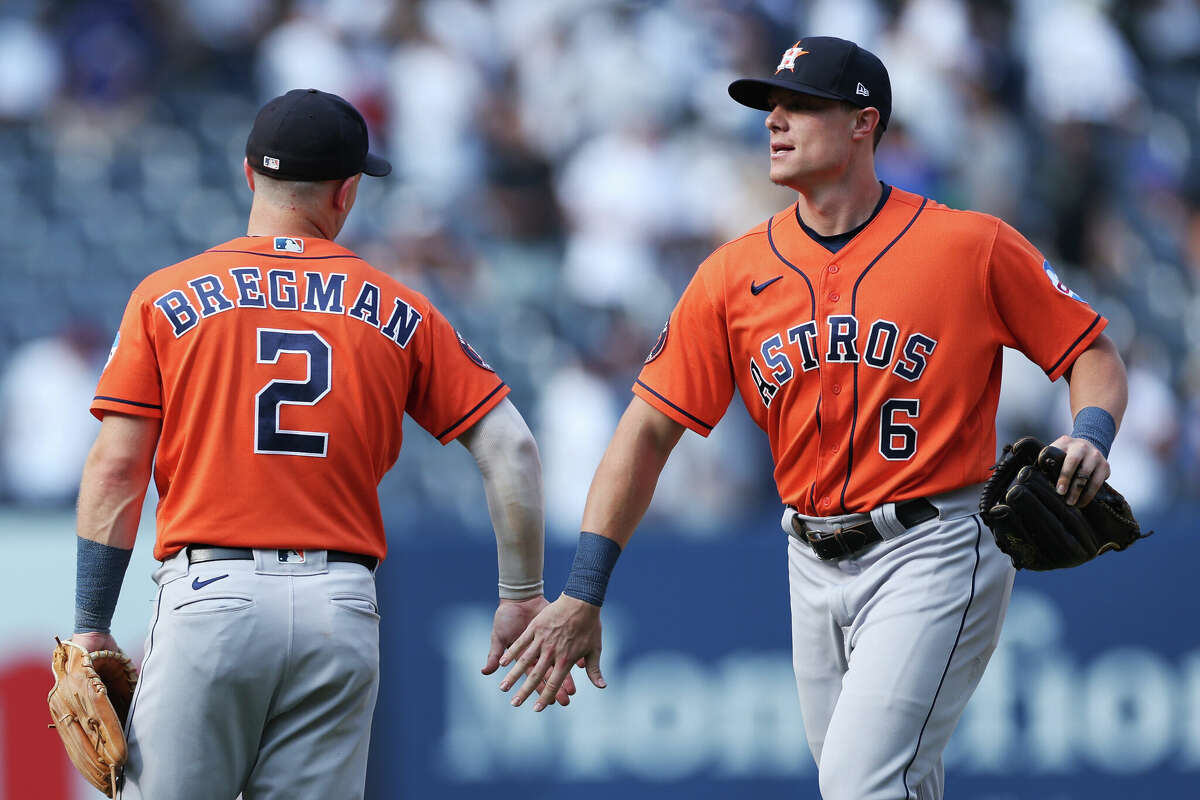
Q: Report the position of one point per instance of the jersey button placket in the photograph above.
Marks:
(835, 411)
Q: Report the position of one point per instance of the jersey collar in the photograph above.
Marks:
(837, 241)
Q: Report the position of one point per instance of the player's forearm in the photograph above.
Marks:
(1098, 379)
(508, 461)
(628, 474)
(619, 496)
(111, 493)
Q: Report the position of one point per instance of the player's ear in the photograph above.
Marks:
(347, 190)
(249, 173)
(865, 122)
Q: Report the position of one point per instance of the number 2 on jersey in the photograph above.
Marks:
(268, 437)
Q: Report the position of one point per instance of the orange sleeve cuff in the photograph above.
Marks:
(660, 403)
(1078, 346)
(102, 405)
(475, 414)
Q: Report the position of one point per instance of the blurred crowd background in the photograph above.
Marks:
(562, 166)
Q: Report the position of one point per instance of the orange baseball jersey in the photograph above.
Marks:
(281, 368)
(875, 370)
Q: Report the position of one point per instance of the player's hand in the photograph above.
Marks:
(565, 633)
(512, 617)
(1084, 470)
(95, 641)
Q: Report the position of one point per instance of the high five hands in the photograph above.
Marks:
(564, 634)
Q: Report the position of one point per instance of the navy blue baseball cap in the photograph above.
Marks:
(310, 135)
(824, 66)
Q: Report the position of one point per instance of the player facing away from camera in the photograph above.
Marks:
(863, 329)
(266, 380)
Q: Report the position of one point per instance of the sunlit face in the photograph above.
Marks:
(811, 138)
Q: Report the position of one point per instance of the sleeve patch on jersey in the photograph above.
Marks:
(288, 244)
(660, 344)
(472, 353)
(113, 351)
(1058, 284)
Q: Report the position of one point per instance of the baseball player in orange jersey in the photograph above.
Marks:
(863, 329)
(266, 381)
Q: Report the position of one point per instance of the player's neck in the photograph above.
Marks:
(266, 220)
(831, 209)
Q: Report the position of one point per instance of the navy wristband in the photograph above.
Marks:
(1096, 426)
(99, 572)
(595, 557)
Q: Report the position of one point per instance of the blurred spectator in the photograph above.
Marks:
(435, 96)
(1169, 30)
(227, 25)
(45, 390)
(1080, 68)
(857, 20)
(618, 191)
(575, 417)
(111, 49)
(29, 64)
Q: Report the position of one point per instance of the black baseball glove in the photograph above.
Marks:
(1032, 522)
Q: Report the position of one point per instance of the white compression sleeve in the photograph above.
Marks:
(508, 460)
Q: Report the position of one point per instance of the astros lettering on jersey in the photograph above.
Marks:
(255, 334)
(849, 360)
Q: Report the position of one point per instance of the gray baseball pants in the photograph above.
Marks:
(888, 646)
(260, 677)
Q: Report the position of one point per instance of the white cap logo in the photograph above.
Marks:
(862, 90)
(270, 163)
(789, 58)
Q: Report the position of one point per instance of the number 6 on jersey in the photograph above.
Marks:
(898, 440)
(269, 438)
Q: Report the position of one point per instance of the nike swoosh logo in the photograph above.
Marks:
(199, 584)
(756, 288)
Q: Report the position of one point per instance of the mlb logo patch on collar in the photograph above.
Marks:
(291, 556)
(288, 244)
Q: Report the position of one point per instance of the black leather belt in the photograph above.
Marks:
(199, 553)
(847, 541)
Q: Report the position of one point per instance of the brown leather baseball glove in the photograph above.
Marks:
(88, 705)
(1032, 522)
